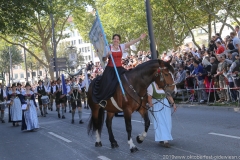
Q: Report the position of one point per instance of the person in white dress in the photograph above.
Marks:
(15, 114)
(29, 117)
(160, 114)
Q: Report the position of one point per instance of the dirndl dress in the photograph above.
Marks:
(29, 117)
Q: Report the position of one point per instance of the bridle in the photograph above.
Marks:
(162, 79)
(158, 74)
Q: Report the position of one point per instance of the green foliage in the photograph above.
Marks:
(5, 58)
(38, 37)
(14, 14)
(173, 20)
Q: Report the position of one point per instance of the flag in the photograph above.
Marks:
(64, 86)
(96, 36)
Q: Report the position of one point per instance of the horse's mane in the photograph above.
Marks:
(146, 64)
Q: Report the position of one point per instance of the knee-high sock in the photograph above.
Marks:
(80, 115)
(58, 109)
(63, 108)
(44, 110)
(2, 115)
(73, 113)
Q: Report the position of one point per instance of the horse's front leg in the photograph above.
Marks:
(114, 143)
(143, 135)
(127, 117)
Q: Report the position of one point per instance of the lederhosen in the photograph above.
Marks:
(76, 99)
(83, 93)
(58, 99)
(41, 90)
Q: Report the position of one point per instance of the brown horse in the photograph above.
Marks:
(135, 83)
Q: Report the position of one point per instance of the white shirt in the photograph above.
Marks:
(54, 88)
(195, 54)
(47, 89)
(4, 93)
(122, 49)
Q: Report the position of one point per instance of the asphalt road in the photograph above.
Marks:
(198, 133)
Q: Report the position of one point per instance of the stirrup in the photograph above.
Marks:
(100, 103)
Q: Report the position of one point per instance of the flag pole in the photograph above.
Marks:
(106, 42)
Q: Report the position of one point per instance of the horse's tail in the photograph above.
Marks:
(96, 123)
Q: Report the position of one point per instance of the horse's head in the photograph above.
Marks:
(164, 77)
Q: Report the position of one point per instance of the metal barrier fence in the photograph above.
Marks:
(213, 90)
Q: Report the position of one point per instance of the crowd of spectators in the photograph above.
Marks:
(214, 66)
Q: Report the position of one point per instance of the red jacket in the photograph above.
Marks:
(220, 50)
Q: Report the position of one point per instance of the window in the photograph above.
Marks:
(85, 49)
(89, 57)
(16, 76)
(28, 74)
(40, 73)
(88, 48)
(74, 42)
(79, 41)
(34, 74)
(82, 49)
(21, 75)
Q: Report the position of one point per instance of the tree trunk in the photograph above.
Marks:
(51, 72)
(209, 27)
(214, 23)
(223, 25)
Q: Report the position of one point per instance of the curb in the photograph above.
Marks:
(197, 106)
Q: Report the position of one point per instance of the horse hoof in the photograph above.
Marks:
(114, 145)
(138, 140)
(98, 144)
(134, 149)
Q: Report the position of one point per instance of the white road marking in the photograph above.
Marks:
(224, 135)
(60, 137)
(103, 158)
(138, 121)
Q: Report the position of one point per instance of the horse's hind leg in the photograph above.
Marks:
(127, 117)
(143, 135)
(109, 127)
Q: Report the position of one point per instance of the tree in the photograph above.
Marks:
(5, 58)
(39, 36)
(14, 14)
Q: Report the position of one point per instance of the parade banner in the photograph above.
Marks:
(96, 36)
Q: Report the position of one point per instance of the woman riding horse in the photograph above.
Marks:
(135, 83)
(105, 86)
